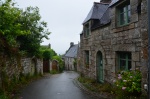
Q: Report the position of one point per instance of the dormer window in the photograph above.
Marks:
(123, 14)
(87, 29)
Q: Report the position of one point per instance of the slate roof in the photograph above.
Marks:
(113, 2)
(72, 51)
(106, 17)
(96, 11)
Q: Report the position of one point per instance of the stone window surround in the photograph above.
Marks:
(127, 48)
(85, 58)
(126, 59)
(85, 26)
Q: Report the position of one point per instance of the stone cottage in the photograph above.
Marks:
(70, 57)
(114, 38)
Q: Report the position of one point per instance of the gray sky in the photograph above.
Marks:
(64, 18)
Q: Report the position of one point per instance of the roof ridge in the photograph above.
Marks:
(101, 3)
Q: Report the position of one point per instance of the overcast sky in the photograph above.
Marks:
(64, 18)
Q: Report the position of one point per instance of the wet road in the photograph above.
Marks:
(58, 86)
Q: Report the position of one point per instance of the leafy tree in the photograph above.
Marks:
(47, 53)
(31, 22)
(10, 28)
(21, 30)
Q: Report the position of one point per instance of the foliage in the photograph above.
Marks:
(12, 86)
(94, 86)
(112, 91)
(3, 96)
(21, 30)
(9, 16)
(129, 82)
(53, 72)
(48, 53)
(31, 22)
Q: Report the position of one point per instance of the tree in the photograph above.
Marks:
(10, 28)
(31, 22)
(22, 30)
(47, 53)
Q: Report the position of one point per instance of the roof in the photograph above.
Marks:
(72, 51)
(106, 17)
(96, 11)
(113, 2)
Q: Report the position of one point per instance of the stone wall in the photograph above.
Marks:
(110, 39)
(32, 66)
(9, 67)
(144, 41)
(13, 66)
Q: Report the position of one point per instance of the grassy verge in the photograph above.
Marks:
(13, 89)
(107, 89)
(54, 72)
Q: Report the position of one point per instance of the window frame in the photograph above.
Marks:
(126, 13)
(87, 58)
(127, 58)
(87, 29)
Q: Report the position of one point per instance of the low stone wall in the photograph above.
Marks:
(14, 66)
(39, 66)
(32, 66)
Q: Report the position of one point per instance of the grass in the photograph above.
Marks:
(54, 72)
(13, 89)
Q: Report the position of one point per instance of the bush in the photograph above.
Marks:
(54, 72)
(129, 82)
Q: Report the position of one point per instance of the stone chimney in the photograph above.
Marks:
(49, 45)
(71, 44)
(105, 1)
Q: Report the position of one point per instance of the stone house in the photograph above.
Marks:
(70, 57)
(114, 38)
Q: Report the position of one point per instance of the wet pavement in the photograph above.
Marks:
(58, 86)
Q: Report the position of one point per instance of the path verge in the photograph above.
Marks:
(95, 94)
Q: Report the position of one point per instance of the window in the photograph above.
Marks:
(87, 58)
(124, 14)
(87, 29)
(124, 60)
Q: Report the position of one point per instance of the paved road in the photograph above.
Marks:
(59, 86)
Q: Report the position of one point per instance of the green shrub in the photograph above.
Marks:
(54, 72)
(129, 83)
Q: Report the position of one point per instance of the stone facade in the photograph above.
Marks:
(69, 63)
(70, 57)
(111, 39)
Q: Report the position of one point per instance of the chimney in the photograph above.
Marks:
(71, 44)
(49, 45)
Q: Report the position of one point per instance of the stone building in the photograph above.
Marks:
(114, 38)
(70, 57)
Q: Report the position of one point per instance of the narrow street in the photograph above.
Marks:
(58, 86)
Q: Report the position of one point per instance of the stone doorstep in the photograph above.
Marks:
(97, 95)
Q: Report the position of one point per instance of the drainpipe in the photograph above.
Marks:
(148, 48)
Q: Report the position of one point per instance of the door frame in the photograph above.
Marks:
(99, 56)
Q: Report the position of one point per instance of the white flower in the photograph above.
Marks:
(124, 80)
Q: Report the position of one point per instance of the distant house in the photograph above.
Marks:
(70, 57)
(114, 38)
